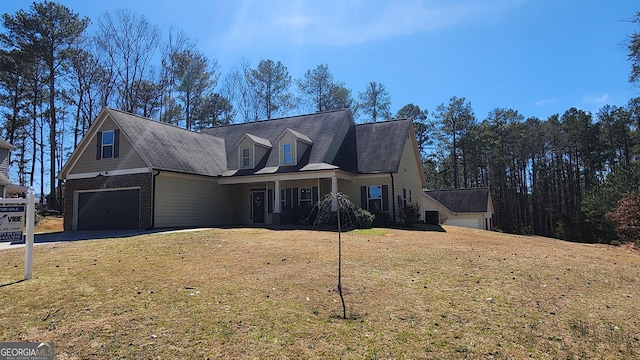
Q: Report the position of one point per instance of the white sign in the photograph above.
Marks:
(11, 223)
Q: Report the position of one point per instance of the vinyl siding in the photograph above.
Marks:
(352, 188)
(183, 200)
(127, 159)
(408, 176)
(4, 160)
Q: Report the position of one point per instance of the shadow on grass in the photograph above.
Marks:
(333, 228)
(80, 235)
(12, 283)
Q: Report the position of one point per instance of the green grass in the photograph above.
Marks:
(372, 231)
(256, 293)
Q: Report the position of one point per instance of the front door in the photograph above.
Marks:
(257, 207)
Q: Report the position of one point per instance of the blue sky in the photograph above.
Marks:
(540, 57)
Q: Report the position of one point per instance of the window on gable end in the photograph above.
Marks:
(108, 142)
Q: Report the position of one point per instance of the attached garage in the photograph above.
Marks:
(114, 209)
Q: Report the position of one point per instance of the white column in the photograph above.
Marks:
(276, 198)
(334, 193)
(30, 208)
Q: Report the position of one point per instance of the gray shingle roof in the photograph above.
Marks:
(5, 144)
(319, 128)
(462, 200)
(380, 145)
(167, 147)
(336, 142)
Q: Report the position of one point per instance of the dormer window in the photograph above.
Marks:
(245, 158)
(287, 153)
(292, 145)
(251, 150)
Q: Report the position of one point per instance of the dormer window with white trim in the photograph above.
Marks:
(251, 150)
(246, 158)
(292, 145)
(287, 154)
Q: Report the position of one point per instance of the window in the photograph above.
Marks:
(287, 154)
(305, 197)
(374, 198)
(245, 158)
(107, 144)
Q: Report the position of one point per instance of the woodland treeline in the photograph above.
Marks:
(563, 176)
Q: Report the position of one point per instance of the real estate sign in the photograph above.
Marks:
(11, 223)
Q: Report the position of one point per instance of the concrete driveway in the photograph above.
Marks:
(66, 236)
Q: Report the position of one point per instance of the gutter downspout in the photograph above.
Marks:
(393, 197)
(153, 200)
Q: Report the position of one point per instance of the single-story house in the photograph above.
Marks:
(130, 172)
(471, 208)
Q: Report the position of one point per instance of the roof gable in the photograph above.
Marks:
(162, 146)
(256, 140)
(167, 147)
(380, 145)
(298, 136)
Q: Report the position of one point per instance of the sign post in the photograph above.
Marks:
(12, 220)
(31, 214)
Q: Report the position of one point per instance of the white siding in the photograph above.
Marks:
(408, 177)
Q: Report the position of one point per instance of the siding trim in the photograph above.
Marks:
(109, 173)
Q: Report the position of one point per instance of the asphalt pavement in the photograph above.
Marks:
(68, 236)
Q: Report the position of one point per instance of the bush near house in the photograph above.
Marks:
(364, 219)
(410, 214)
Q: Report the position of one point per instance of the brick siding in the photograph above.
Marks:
(143, 181)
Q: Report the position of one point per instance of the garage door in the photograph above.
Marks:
(106, 210)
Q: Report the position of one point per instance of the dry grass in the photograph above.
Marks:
(256, 293)
(49, 224)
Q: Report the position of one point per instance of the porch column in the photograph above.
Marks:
(276, 197)
(277, 211)
(334, 193)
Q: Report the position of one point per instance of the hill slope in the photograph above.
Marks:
(256, 293)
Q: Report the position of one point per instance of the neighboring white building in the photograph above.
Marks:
(470, 208)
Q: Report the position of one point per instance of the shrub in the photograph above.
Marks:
(382, 219)
(364, 219)
(626, 217)
(410, 214)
